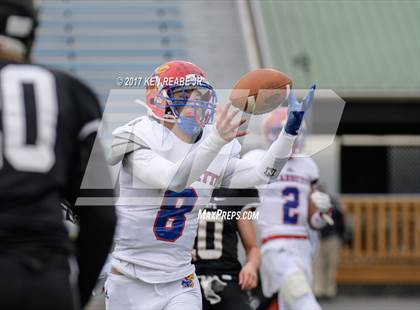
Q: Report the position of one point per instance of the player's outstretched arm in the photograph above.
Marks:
(248, 173)
(159, 172)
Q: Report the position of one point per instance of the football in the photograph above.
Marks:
(260, 91)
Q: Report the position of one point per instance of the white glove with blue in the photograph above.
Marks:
(322, 201)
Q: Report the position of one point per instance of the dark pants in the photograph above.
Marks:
(232, 298)
(36, 282)
(264, 303)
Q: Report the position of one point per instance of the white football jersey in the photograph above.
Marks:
(156, 228)
(284, 204)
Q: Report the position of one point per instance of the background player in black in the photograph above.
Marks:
(224, 281)
(48, 124)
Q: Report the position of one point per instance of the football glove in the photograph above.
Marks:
(321, 201)
(69, 213)
(212, 285)
(296, 110)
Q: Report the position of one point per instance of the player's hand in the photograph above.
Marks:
(296, 110)
(248, 277)
(227, 129)
(322, 201)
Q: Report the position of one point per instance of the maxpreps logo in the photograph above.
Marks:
(220, 215)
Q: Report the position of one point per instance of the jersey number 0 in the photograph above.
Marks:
(29, 103)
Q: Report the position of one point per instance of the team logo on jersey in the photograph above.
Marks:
(188, 281)
(270, 172)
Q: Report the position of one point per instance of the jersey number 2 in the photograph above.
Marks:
(37, 155)
(292, 196)
(170, 219)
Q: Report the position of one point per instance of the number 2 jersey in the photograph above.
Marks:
(46, 121)
(157, 227)
(284, 204)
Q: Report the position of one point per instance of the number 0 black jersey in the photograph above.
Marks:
(217, 239)
(48, 122)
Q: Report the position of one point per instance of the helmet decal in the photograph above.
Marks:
(161, 69)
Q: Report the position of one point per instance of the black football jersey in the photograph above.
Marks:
(217, 240)
(47, 129)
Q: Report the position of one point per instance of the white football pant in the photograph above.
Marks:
(124, 293)
(286, 268)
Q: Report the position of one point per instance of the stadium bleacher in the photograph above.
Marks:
(101, 40)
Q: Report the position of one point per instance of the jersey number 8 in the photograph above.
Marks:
(170, 219)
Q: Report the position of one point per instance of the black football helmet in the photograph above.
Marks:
(18, 20)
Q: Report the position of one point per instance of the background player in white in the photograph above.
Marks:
(171, 161)
(288, 205)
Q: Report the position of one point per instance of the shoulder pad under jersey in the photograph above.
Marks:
(143, 132)
(125, 140)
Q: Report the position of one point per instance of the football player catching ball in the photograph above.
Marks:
(172, 159)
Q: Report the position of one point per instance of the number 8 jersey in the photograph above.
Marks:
(157, 227)
(284, 204)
